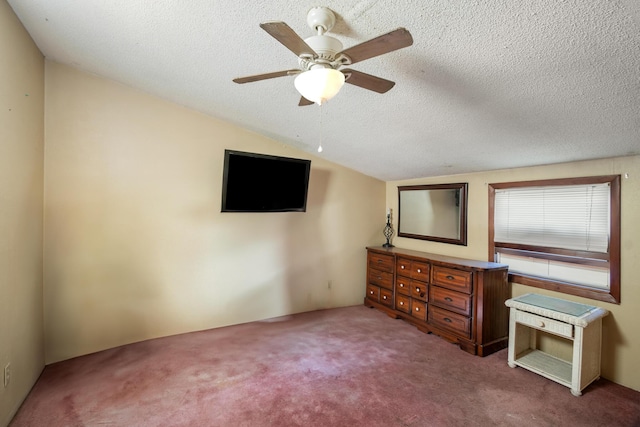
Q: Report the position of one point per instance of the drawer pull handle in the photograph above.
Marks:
(371, 292)
(446, 319)
(402, 267)
(419, 271)
(384, 297)
(402, 285)
(417, 308)
(450, 277)
(447, 299)
(401, 303)
(379, 277)
(417, 289)
(379, 261)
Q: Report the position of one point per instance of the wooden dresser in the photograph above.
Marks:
(461, 300)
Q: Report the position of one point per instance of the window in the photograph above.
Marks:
(562, 234)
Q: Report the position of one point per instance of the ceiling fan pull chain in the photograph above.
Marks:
(320, 145)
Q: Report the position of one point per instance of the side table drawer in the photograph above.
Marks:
(545, 324)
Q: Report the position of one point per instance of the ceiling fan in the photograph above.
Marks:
(322, 57)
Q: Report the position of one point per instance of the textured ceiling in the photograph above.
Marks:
(486, 85)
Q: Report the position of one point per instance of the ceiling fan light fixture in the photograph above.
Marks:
(319, 84)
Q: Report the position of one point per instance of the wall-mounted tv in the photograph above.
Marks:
(263, 183)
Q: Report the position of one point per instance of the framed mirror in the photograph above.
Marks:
(433, 212)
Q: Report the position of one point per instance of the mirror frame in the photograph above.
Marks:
(463, 188)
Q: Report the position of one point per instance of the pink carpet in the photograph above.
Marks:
(351, 366)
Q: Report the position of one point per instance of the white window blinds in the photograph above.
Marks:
(570, 217)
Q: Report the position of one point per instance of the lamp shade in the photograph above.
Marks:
(319, 84)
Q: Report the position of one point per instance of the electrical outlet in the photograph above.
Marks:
(7, 374)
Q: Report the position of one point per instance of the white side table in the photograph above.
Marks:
(579, 323)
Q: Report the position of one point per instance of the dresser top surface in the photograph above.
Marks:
(444, 259)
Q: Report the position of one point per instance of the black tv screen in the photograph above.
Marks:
(262, 183)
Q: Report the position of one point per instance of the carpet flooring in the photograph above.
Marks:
(350, 366)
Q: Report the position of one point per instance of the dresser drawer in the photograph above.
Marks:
(403, 266)
(380, 278)
(380, 262)
(386, 297)
(450, 278)
(403, 303)
(419, 290)
(419, 309)
(373, 293)
(451, 300)
(403, 286)
(448, 320)
(545, 324)
(413, 269)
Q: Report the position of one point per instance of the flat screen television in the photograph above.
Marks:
(263, 183)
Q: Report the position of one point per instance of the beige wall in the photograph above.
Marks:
(136, 246)
(21, 160)
(621, 340)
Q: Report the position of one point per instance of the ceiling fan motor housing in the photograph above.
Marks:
(325, 46)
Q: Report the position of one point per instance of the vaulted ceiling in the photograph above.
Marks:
(486, 85)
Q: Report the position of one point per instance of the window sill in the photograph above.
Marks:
(565, 288)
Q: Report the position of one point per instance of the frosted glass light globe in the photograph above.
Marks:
(319, 84)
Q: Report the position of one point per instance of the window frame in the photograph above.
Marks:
(611, 295)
